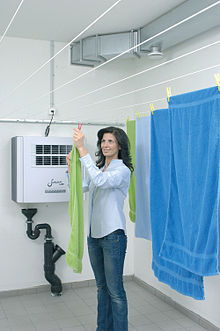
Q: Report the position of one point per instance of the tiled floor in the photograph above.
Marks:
(75, 310)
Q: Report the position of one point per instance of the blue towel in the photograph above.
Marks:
(142, 174)
(191, 234)
(176, 277)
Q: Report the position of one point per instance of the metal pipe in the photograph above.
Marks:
(52, 75)
(30, 121)
(51, 253)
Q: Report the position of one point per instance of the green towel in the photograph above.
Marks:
(131, 125)
(76, 242)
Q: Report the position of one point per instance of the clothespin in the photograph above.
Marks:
(128, 119)
(217, 78)
(152, 108)
(168, 94)
(80, 126)
(138, 114)
(145, 115)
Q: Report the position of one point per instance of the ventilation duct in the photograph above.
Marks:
(92, 51)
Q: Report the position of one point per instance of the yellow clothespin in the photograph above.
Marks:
(168, 94)
(217, 77)
(144, 115)
(138, 114)
(128, 119)
(152, 108)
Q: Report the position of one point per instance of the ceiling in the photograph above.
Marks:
(62, 20)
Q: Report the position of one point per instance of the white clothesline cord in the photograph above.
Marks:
(130, 49)
(164, 82)
(8, 120)
(44, 64)
(119, 55)
(132, 76)
(144, 71)
(12, 19)
(137, 74)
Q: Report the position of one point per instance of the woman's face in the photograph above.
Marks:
(109, 146)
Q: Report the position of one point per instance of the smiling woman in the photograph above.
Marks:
(108, 184)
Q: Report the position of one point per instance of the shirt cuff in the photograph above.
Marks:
(86, 160)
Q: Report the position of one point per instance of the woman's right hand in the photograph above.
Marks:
(68, 160)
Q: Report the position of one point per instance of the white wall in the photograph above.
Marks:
(22, 258)
(209, 308)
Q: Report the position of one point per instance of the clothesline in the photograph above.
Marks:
(12, 19)
(154, 85)
(114, 58)
(68, 44)
(137, 74)
(164, 82)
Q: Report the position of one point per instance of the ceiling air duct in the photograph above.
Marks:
(92, 51)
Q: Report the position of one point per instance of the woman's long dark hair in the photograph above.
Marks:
(123, 142)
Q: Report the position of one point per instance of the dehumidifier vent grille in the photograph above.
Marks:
(51, 155)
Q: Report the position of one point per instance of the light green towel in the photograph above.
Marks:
(76, 242)
(131, 125)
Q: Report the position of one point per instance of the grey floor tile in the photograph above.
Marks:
(23, 328)
(79, 310)
(76, 310)
(131, 328)
(36, 317)
(90, 327)
(186, 322)
(133, 311)
(151, 327)
(158, 317)
(75, 328)
(56, 315)
(2, 314)
(139, 320)
(46, 326)
(196, 328)
(20, 321)
(174, 314)
(68, 322)
(146, 309)
(4, 323)
(88, 319)
(170, 325)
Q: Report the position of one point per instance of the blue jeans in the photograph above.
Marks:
(107, 256)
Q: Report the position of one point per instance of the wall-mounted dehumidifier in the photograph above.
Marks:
(38, 169)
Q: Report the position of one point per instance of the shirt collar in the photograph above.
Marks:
(113, 162)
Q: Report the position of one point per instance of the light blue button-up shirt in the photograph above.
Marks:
(108, 191)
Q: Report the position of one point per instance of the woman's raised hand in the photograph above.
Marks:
(78, 138)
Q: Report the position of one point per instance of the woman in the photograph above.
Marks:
(108, 183)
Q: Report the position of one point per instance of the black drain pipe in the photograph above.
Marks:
(51, 253)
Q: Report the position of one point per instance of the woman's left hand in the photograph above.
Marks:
(78, 138)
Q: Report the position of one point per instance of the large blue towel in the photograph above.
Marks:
(142, 174)
(178, 278)
(192, 234)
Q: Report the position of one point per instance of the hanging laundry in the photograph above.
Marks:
(132, 198)
(142, 173)
(192, 231)
(76, 242)
(180, 279)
